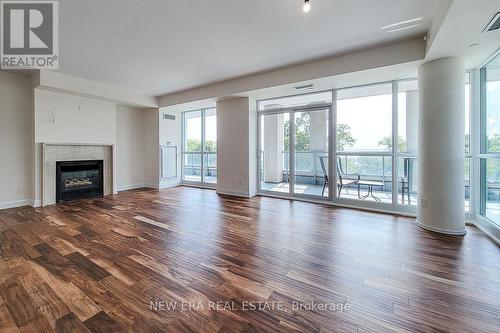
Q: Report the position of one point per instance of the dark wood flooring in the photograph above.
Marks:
(123, 262)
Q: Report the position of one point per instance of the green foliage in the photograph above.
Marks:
(344, 136)
(195, 145)
(494, 143)
(303, 134)
(386, 142)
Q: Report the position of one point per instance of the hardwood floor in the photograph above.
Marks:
(122, 262)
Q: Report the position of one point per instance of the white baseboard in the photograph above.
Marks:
(131, 187)
(162, 186)
(16, 203)
(489, 228)
(37, 203)
(442, 231)
(234, 193)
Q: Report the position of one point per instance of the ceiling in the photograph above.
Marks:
(164, 46)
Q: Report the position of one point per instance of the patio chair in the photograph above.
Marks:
(343, 179)
(406, 180)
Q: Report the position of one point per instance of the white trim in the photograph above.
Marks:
(131, 187)
(16, 203)
(169, 185)
(36, 203)
(489, 228)
(234, 193)
(337, 204)
(441, 231)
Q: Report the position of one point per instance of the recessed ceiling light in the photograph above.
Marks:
(307, 6)
(402, 23)
(402, 28)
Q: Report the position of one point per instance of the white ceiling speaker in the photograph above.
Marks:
(307, 6)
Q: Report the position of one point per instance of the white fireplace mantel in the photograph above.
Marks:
(54, 152)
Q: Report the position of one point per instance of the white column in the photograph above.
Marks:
(273, 147)
(441, 146)
(319, 131)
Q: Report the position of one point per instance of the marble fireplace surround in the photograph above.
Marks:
(54, 152)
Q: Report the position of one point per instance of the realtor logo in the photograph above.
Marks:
(29, 34)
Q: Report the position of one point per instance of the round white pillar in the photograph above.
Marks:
(441, 143)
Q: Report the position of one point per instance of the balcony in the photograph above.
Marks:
(192, 168)
(372, 167)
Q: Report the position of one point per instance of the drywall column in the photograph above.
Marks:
(233, 147)
(412, 121)
(441, 146)
(319, 133)
(273, 146)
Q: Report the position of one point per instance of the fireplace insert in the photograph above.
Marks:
(79, 179)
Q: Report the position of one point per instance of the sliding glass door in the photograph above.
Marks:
(199, 147)
(490, 142)
(294, 152)
(275, 153)
(310, 146)
(364, 139)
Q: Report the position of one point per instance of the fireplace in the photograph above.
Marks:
(79, 179)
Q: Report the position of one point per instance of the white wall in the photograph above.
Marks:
(68, 118)
(130, 144)
(170, 134)
(235, 175)
(65, 118)
(151, 147)
(16, 177)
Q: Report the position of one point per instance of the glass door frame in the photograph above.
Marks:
(202, 153)
(393, 207)
(291, 111)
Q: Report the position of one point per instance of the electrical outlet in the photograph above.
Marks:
(19, 190)
(423, 203)
(11, 190)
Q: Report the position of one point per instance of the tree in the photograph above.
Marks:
(494, 143)
(387, 143)
(344, 136)
(195, 145)
(302, 133)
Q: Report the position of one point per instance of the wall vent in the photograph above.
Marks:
(494, 23)
(306, 86)
(168, 116)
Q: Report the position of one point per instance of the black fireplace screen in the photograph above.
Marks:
(78, 179)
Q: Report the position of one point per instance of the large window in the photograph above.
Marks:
(294, 145)
(407, 147)
(200, 146)
(490, 141)
(364, 143)
(375, 145)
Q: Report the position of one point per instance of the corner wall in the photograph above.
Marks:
(130, 141)
(16, 125)
(236, 147)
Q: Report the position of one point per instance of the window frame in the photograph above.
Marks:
(202, 152)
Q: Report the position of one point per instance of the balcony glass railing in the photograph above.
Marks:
(192, 167)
